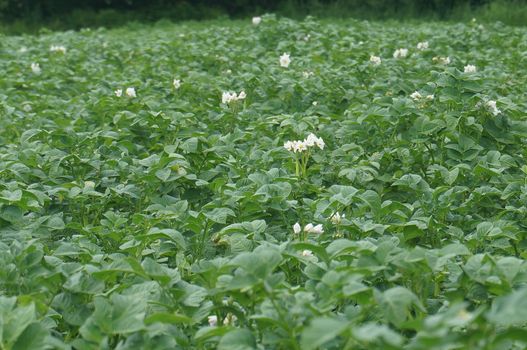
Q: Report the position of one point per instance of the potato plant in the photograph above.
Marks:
(265, 184)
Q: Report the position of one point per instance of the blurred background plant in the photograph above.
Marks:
(20, 16)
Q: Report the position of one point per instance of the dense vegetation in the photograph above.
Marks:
(20, 16)
(53, 7)
(150, 197)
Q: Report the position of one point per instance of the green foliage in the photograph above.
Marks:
(174, 220)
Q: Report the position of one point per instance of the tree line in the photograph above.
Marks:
(49, 9)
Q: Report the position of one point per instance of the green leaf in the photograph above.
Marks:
(219, 215)
(260, 262)
(372, 199)
(372, 333)
(163, 174)
(122, 314)
(507, 310)
(238, 339)
(320, 331)
(33, 338)
(190, 145)
(342, 194)
(55, 223)
(165, 317)
(397, 304)
(11, 196)
(18, 320)
(12, 214)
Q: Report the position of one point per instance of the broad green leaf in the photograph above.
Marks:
(507, 310)
(237, 339)
(321, 330)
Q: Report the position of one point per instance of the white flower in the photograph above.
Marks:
(307, 74)
(441, 60)
(320, 143)
(257, 20)
(307, 253)
(376, 60)
(130, 92)
(213, 321)
(336, 218)
(313, 140)
(416, 96)
(229, 319)
(310, 140)
(57, 48)
(314, 103)
(318, 229)
(297, 228)
(23, 49)
(118, 92)
(176, 83)
(307, 37)
(422, 45)
(285, 60)
(228, 97)
(469, 68)
(400, 53)
(299, 145)
(35, 67)
(491, 105)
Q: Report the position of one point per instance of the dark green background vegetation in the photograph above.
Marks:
(24, 15)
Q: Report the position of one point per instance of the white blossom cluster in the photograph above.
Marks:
(309, 228)
(469, 68)
(230, 319)
(307, 253)
(35, 68)
(491, 106)
(400, 53)
(375, 60)
(416, 96)
(257, 20)
(213, 320)
(441, 60)
(422, 45)
(336, 218)
(300, 146)
(57, 48)
(229, 97)
(130, 92)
